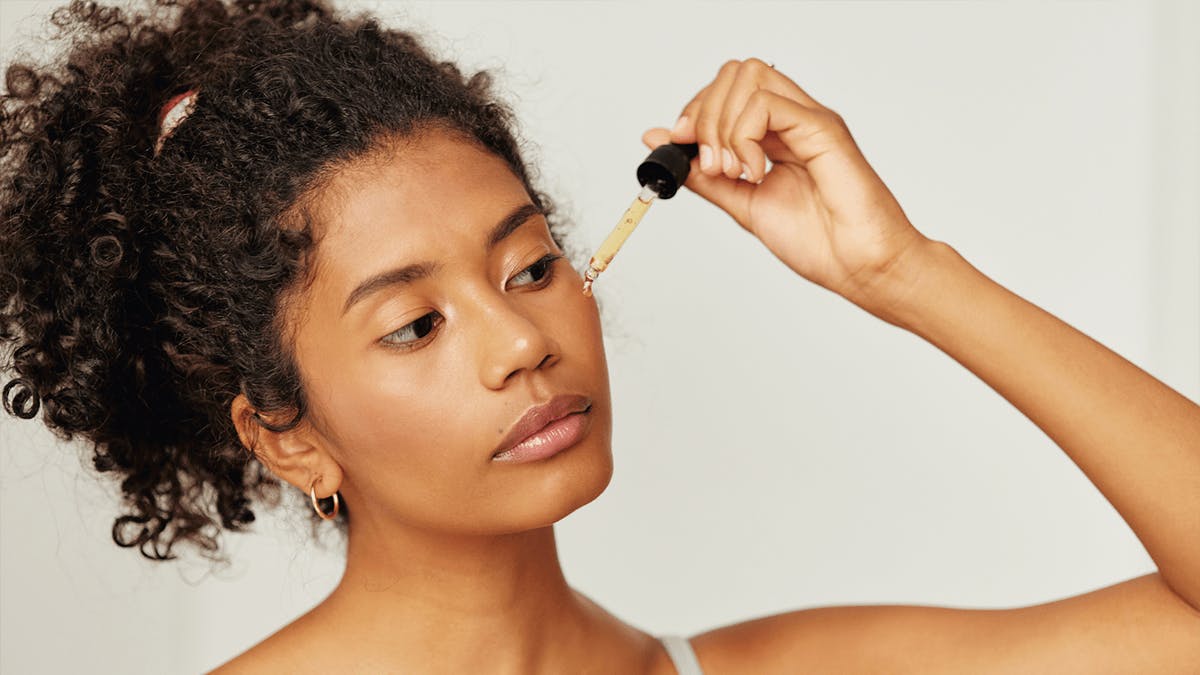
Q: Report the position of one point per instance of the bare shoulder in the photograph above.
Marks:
(277, 653)
(1139, 625)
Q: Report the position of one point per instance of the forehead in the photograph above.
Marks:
(414, 193)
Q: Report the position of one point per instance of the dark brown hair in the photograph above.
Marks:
(139, 294)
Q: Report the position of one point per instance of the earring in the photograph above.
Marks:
(312, 492)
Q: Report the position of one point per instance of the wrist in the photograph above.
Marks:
(895, 292)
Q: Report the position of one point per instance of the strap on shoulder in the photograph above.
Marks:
(682, 655)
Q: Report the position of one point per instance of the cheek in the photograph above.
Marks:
(572, 304)
(379, 406)
(579, 332)
(395, 416)
(588, 331)
(409, 445)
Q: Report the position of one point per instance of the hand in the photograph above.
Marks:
(821, 209)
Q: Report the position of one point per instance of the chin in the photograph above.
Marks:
(549, 490)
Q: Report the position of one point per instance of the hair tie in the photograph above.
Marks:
(172, 113)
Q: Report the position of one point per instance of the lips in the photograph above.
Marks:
(536, 418)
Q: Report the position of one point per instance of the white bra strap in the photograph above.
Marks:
(682, 655)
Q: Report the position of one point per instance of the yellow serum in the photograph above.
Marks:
(616, 238)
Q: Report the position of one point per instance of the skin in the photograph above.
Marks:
(451, 563)
(469, 530)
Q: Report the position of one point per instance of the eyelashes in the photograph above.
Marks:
(542, 264)
(425, 325)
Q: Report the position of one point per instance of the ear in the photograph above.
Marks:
(297, 456)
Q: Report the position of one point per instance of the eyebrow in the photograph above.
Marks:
(420, 270)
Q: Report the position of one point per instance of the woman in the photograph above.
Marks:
(261, 242)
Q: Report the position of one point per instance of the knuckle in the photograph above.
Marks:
(757, 64)
(693, 105)
(839, 131)
(729, 66)
(835, 119)
(759, 97)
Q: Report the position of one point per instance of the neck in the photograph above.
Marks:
(472, 603)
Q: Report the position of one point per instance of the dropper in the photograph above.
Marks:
(660, 174)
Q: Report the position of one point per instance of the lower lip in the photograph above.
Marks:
(556, 437)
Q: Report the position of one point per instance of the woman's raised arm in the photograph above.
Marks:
(824, 212)
(1136, 438)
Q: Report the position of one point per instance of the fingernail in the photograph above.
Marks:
(705, 157)
(726, 160)
(680, 124)
(746, 170)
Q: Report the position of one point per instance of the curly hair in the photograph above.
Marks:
(139, 294)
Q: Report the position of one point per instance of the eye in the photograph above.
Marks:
(543, 268)
(418, 330)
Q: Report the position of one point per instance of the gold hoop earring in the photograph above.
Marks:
(312, 492)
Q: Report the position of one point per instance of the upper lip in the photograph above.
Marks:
(539, 416)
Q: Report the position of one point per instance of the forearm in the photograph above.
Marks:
(1136, 438)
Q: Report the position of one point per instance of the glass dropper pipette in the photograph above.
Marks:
(616, 238)
(660, 174)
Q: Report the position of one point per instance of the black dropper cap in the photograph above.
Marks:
(667, 167)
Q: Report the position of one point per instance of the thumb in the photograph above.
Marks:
(730, 194)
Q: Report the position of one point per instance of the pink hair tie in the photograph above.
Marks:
(172, 113)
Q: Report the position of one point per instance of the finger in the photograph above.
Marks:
(776, 81)
(757, 74)
(656, 137)
(684, 130)
(685, 125)
(749, 158)
(817, 138)
(732, 196)
(708, 116)
(749, 77)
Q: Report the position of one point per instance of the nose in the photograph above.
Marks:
(511, 342)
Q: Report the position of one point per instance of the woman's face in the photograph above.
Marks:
(413, 384)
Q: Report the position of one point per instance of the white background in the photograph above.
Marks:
(776, 447)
